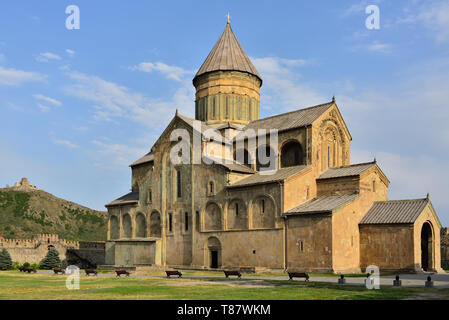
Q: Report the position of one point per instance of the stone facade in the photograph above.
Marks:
(304, 215)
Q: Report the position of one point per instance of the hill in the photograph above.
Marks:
(27, 211)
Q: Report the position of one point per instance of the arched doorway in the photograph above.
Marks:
(426, 247)
(141, 226)
(214, 253)
(155, 224)
(291, 154)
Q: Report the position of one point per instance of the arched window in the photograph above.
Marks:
(170, 222)
(291, 154)
(242, 156)
(211, 188)
(178, 183)
(266, 158)
(186, 221)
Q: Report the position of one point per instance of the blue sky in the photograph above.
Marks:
(78, 106)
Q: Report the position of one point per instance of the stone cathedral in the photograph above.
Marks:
(315, 212)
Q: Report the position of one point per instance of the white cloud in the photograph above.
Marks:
(70, 52)
(433, 15)
(171, 72)
(65, 143)
(118, 155)
(378, 47)
(43, 108)
(282, 89)
(47, 56)
(14, 77)
(111, 101)
(47, 99)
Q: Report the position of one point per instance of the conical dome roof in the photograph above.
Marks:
(227, 55)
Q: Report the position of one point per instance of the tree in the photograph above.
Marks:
(5, 260)
(51, 260)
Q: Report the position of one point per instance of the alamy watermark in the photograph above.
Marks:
(73, 20)
(372, 22)
(252, 147)
(372, 280)
(72, 282)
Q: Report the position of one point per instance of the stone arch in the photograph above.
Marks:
(155, 224)
(237, 214)
(427, 246)
(291, 154)
(213, 253)
(263, 212)
(212, 217)
(269, 152)
(114, 228)
(333, 149)
(141, 225)
(127, 226)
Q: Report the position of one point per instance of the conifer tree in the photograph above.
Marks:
(51, 260)
(5, 260)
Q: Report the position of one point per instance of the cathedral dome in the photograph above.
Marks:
(227, 84)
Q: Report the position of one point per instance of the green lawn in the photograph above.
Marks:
(16, 285)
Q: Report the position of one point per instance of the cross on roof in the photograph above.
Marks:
(229, 17)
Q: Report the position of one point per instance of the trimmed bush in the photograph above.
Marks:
(5, 260)
(51, 260)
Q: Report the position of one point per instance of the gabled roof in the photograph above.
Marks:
(265, 177)
(149, 157)
(129, 198)
(346, 171)
(395, 211)
(290, 120)
(325, 204)
(227, 55)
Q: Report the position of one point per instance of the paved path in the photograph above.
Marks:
(408, 280)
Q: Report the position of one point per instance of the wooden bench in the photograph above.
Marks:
(90, 271)
(120, 272)
(58, 271)
(173, 273)
(232, 273)
(29, 270)
(294, 274)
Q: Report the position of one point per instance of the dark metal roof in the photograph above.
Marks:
(268, 177)
(149, 157)
(130, 198)
(228, 55)
(395, 211)
(290, 120)
(322, 204)
(346, 171)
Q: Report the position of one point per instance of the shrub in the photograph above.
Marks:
(35, 266)
(51, 260)
(26, 265)
(16, 265)
(5, 260)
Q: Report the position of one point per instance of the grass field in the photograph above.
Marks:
(16, 285)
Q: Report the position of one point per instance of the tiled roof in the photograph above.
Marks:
(395, 211)
(290, 120)
(130, 198)
(263, 178)
(227, 55)
(346, 171)
(149, 157)
(322, 204)
(235, 166)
